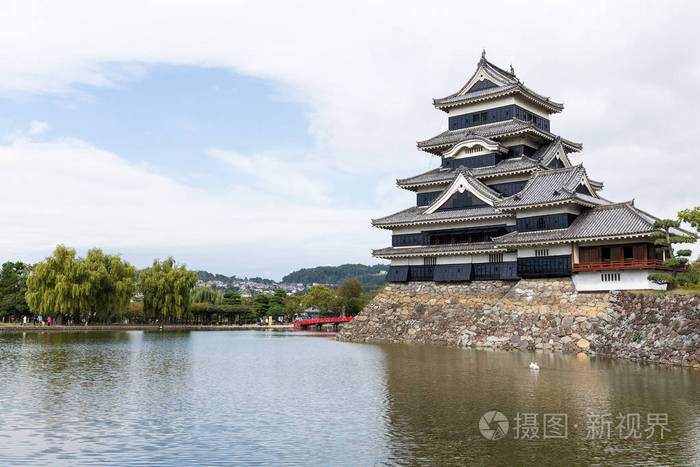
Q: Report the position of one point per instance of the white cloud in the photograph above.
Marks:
(68, 191)
(37, 128)
(272, 178)
(627, 71)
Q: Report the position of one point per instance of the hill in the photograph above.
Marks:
(371, 277)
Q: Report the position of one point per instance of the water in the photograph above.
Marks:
(256, 397)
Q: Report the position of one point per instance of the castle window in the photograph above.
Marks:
(629, 252)
(605, 253)
(543, 252)
(475, 118)
(484, 116)
(496, 258)
(540, 223)
(429, 260)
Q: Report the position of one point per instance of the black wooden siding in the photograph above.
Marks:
(423, 238)
(461, 201)
(510, 188)
(497, 114)
(495, 271)
(548, 222)
(424, 199)
(545, 266)
(452, 272)
(397, 274)
(506, 270)
(472, 162)
(521, 150)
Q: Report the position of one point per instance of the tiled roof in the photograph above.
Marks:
(551, 186)
(613, 220)
(506, 83)
(514, 164)
(414, 215)
(481, 247)
(438, 143)
(443, 175)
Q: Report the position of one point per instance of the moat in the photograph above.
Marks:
(280, 397)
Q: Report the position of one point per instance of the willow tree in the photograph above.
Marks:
(166, 289)
(59, 285)
(13, 289)
(96, 287)
(112, 284)
(206, 295)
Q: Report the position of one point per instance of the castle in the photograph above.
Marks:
(506, 202)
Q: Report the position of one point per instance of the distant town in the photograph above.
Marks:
(295, 283)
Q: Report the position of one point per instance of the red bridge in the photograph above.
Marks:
(306, 323)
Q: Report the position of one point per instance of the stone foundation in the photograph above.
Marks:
(544, 314)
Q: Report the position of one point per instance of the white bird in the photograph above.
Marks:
(534, 366)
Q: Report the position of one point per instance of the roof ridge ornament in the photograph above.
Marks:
(512, 71)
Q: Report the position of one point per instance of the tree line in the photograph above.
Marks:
(103, 288)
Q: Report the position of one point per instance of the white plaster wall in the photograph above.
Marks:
(457, 259)
(554, 250)
(629, 280)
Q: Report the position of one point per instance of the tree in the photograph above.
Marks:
(13, 288)
(99, 285)
(206, 295)
(166, 289)
(292, 306)
(667, 235)
(111, 284)
(321, 297)
(261, 304)
(691, 216)
(59, 284)
(350, 297)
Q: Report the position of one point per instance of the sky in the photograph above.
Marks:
(256, 138)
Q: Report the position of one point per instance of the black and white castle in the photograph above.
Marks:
(506, 203)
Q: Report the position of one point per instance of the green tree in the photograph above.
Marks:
(166, 289)
(691, 216)
(321, 297)
(13, 288)
(206, 295)
(667, 235)
(98, 286)
(350, 297)
(261, 304)
(60, 285)
(111, 284)
(292, 306)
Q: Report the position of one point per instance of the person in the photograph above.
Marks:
(41, 323)
(48, 321)
(24, 320)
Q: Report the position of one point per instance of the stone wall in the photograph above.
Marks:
(544, 314)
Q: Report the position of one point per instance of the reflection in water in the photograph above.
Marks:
(438, 396)
(302, 398)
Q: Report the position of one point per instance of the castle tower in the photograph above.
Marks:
(506, 203)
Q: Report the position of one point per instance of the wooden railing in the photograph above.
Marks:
(620, 264)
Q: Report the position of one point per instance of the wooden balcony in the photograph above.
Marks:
(618, 265)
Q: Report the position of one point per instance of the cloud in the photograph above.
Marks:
(272, 178)
(68, 191)
(365, 73)
(37, 128)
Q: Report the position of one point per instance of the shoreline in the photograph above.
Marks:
(144, 327)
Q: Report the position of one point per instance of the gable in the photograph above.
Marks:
(462, 200)
(482, 84)
(470, 193)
